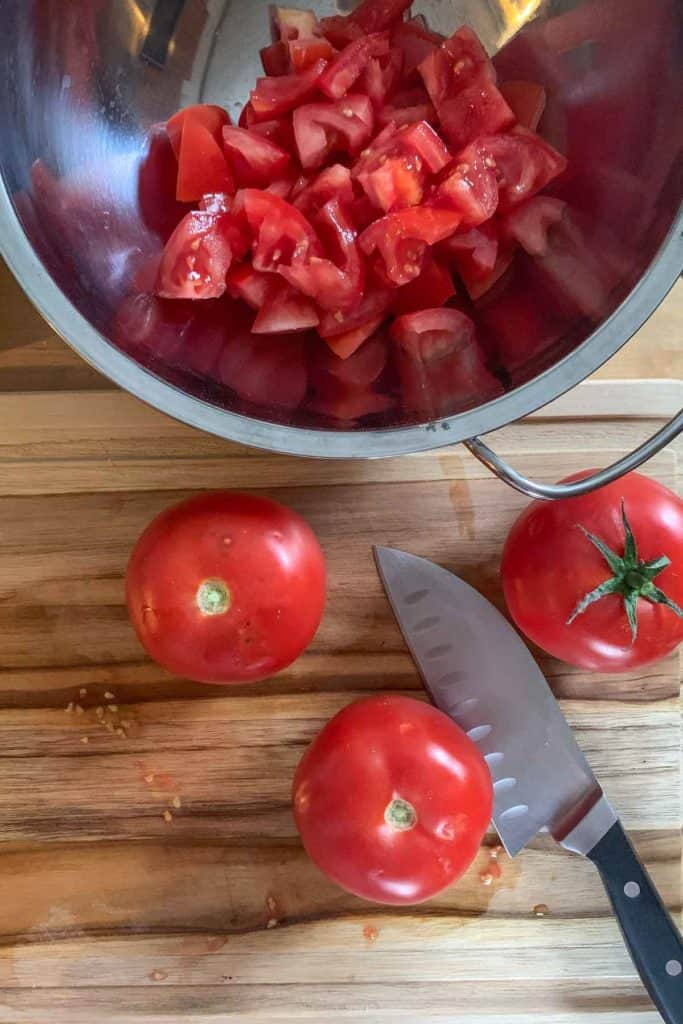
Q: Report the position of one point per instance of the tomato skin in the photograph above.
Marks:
(270, 561)
(255, 160)
(549, 565)
(273, 97)
(372, 752)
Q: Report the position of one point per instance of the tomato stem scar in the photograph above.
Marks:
(213, 597)
(400, 815)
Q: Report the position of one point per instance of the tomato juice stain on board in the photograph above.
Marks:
(461, 500)
(370, 933)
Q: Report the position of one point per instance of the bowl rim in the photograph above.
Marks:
(61, 314)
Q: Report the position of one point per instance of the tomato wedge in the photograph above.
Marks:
(369, 16)
(345, 345)
(333, 182)
(202, 166)
(382, 76)
(524, 162)
(478, 109)
(323, 128)
(280, 231)
(452, 67)
(374, 305)
(304, 53)
(206, 114)
(275, 59)
(526, 101)
(289, 23)
(441, 366)
(335, 282)
(433, 288)
(469, 186)
(394, 171)
(349, 65)
(402, 238)
(273, 97)
(254, 159)
(196, 258)
(285, 311)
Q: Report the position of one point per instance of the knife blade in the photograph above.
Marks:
(477, 669)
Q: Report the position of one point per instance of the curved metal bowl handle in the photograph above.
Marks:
(549, 492)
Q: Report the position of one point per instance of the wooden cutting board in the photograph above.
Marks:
(112, 913)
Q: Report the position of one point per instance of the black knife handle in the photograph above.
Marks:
(651, 936)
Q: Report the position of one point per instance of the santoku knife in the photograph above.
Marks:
(477, 669)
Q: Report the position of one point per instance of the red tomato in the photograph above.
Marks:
(349, 65)
(433, 288)
(478, 109)
(526, 101)
(279, 230)
(157, 177)
(206, 114)
(303, 53)
(369, 16)
(392, 800)
(332, 183)
(279, 131)
(275, 59)
(226, 587)
(324, 128)
(441, 365)
(255, 161)
(478, 286)
(202, 166)
(469, 185)
(382, 76)
(394, 170)
(552, 550)
(336, 282)
(196, 258)
(374, 304)
(268, 370)
(285, 311)
(346, 403)
(524, 164)
(273, 97)
(459, 61)
(402, 239)
(340, 30)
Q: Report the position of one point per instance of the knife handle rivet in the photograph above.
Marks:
(632, 889)
(673, 968)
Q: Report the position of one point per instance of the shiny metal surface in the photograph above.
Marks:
(552, 492)
(85, 80)
(478, 670)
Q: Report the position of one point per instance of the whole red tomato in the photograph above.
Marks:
(392, 800)
(598, 580)
(226, 587)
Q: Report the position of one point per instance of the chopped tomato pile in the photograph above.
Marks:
(379, 182)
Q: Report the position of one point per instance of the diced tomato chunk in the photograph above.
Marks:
(406, 115)
(280, 231)
(255, 161)
(469, 186)
(421, 138)
(273, 97)
(275, 59)
(524, 164)
(279, 131)
(432, 288)
(323, 128)
(211, 117)
(348, 66)
(529, 223)
(441, 366)
(415, 43)
(336, 281)
(377, 15)
(394, 171)
(303, 53)
(382, 76)
(252, 286)
(373, 306)
(345, 345)
(478, 109)
(478, 286)
(526, 101)
(402, 238)
(359, 368)
(157, 178)
(285, 311)
(341, 30)
(333, 182)
(460, 61)
(196, 258)
(202, 166)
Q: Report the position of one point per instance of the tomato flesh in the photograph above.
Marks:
(196, 258)
(392, 800)
(402, 239)
(255, 160)
(226, 587)
(338, 77)
(324, 128)
(273, 97)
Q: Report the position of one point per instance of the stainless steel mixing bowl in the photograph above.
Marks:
(85, 80)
